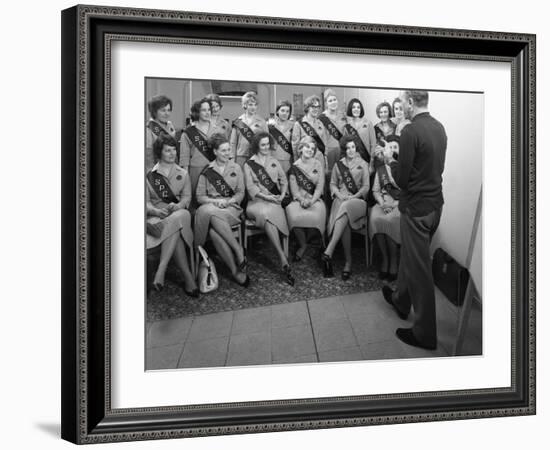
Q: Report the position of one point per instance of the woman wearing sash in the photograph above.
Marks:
(349, 185)
(384, 225)
(385, 127)
(281, 131)
(267, 186)
(334, 121)
(311, 126)
(221, 125)
(194, 150)
(160, 109)
(168, 221)
(220, 191)
(361, 128)
(245, 127)
(307, 182)
(399, 116)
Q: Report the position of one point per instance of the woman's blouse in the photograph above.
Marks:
(338, 120)
(154, 128)
(386, 128)
(286, 130)
(365, 130)
(381, 192)
(190, 155)
(298, 133)
(233, 176)
(179, 182)
(239, 144)
(273, 169)
(314, 171)
(359, 170)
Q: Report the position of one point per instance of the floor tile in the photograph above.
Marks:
(416, 352)
(211, 325)
(168, 332)
(290, 342)
(297, 359)
(372, 328)
(326, 309)
(362, 304)
(163, 357)
(247, 349)
(289, 314)
(205, 353)
(251, 320)
(333, 335)
(390, 349)
(343, 354)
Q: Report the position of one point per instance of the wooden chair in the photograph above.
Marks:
(250, 229)
(368, 247)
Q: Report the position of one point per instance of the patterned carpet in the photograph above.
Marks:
(267, 286)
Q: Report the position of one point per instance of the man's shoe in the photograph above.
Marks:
(406, 335)
(387, 292)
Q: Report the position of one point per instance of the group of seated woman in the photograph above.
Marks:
(273, 174)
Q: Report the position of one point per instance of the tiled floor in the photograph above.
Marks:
(354, 327)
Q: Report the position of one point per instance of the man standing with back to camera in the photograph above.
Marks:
(418, 173)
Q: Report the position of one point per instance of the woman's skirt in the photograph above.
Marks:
(333, 155)
(194, 173)
(261, 212)
(231, 215)
(382, 223)
(313, 217)
(179, 220)
(355, 209)
(285, 164)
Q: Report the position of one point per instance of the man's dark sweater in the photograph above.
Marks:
(422, 149)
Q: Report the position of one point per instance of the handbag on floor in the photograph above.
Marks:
(449, 276)
(208, 277)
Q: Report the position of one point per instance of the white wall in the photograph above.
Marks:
(30, 388)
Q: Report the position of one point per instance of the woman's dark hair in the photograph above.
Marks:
(157, 102)
(344, 141)
(392, 138)
(350, 106)
(281, 104)
(380, 106)
(162, 140)
(196, 108)
(396, 100)
(255, 144)
(216, 140)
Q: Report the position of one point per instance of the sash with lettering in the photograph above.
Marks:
(385, 182)
(155, 128)
(244, 129)
(358, 142)
(302, 179)
(329, 125)
(346, 176)
(198, 140)
(280, 138)
(160, 185)
(312, 133)
(218, 181)
(267, 182)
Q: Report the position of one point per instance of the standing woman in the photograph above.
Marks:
(362, 129)
(385, 127)
(349, 185)
(220, 125)
(168, 196)
(267, 186)
(307, 182)
(245, 128)
(220, 191)
(281, 132)
(311, 126)
(399, 116)
(334, 121)
(194, 150)
(160, 109)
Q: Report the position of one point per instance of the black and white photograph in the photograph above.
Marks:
(299, 224)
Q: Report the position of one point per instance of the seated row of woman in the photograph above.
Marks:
(276, 204)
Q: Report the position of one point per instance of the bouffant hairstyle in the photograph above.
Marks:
(396, 100)
(310, 101)
(304, 141)
(344, 142)
(247, 97)
(329, 93)
(196, 108)
(162, 140)
(216, 140)
(214, 98)
(350, 106)
(420, 98)
(255, 144)
(381, 105)
(281, 104)
(157, 102)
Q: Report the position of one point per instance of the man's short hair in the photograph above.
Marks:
(420, 98)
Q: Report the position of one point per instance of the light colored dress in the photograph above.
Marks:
(316, 215)
(380, 222)
(298, 133)
(152, 131)
(400, 125)
(365, 130)
(262, 211)
(191, 158)
(332, 151)
(178, 180)
(355, 208)
(233, 176)
(239, 144)
(284, 158)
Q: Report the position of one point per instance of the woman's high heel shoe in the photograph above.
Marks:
(288, 275)
(242, 265)
(194, 293)
(328, 272)
(346, 274)
(158, 287)
(244, 283)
